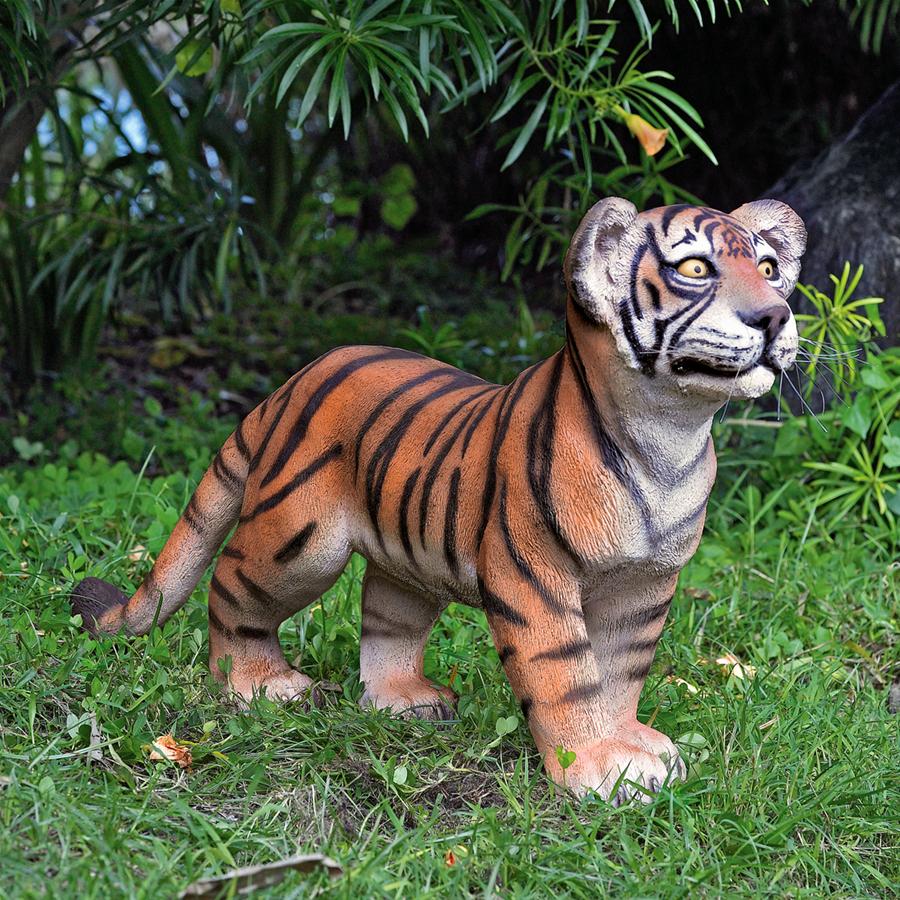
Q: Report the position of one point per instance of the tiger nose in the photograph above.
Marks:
(771, 319)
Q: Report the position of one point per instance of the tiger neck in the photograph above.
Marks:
(661, 432)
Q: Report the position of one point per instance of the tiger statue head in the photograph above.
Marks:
(695, 299)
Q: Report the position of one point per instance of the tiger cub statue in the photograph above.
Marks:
(563, 504)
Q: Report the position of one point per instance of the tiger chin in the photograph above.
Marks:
(563, 504)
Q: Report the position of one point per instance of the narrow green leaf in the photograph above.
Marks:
(527, 131)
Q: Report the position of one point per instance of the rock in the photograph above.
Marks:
(849, 197)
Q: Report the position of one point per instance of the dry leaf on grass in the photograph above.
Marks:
(731, 665)
(691, 688)
(166, 747)
(253, 878)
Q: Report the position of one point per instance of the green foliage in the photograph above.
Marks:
(840, 325)
(875, 19)
(239, 106)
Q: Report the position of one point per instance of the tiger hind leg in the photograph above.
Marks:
(248, 601)
(396, 623)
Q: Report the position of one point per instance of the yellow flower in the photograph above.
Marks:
(652, 139)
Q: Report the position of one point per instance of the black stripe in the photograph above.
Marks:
(216, 624)
(382, 456)
(247, 632)
(286, 391)
(611, 454)
(439, 428)
(259, 594)
(366, 631)
(638, 672)
(190, 518)
(501, 426)
(232, 552)
(640, 646)
(222, 471)
(253, 634)
(496, 606)
(653, 291)
(240, 443)
(299, 479)
(450, 523)
(569, 651)
(479, 415)
(701, 308)
(405, 497)
(643, 617)
(670, 214)
(264, 444)
(394, 395)
(584, 692)
(540, 461)
(294, 547)
(635, 265)
(691, 466)
(506, 652)
(647, 364)
(314, 402)
(550, 600)
(372, 612)
(434, 469)
(688, 519)
(223, 593)
(526, 705)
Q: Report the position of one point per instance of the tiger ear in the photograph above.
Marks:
(783, 229)
(595, 262)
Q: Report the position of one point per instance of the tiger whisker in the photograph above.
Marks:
(803, 402)
(730, 394)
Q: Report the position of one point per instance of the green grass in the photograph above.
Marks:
(794, 786)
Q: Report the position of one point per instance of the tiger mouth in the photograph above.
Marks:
(689, 365)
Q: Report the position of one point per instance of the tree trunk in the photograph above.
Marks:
(849, 197)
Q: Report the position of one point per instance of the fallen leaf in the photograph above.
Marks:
(137, 553)
(166, 747)
(95, 754)
(691, 688)
(731, 665)
(253, 878)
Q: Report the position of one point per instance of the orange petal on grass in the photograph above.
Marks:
(450, 858)
(166, 747)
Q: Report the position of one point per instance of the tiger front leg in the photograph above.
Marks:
(624, 633)
(572, 702)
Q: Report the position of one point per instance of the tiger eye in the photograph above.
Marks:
(767, 268)
(693, 268)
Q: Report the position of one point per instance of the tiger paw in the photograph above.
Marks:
(287, 685)
(411, 698)
(633, 763)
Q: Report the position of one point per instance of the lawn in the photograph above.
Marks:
(773, 676)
